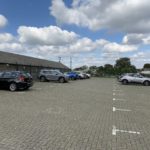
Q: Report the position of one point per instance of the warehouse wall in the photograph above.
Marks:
(33, 70)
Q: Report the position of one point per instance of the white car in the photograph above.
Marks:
(135, 78)
(88, 75)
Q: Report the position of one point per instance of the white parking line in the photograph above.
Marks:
(118, 99)
(117, 93)
(114, 93)
(118, 109)
(116, 90)
(115, 130)
(21, 92)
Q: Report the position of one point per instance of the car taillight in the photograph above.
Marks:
(21, 78)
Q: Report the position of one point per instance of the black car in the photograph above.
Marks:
(14, 80)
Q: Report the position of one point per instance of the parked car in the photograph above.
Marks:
(72, 75)
(87, 75)
(14, 80)
(52, 75)
(135, 78)
(124, 74)
(83, 75)
(80, 75)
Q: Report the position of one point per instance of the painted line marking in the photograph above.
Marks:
(21, 92)
(116, 90)
(114, 99)
(119, 94)
(118, 109)
(115, 130)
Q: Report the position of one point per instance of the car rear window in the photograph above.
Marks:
(1, 74)
(25, 74)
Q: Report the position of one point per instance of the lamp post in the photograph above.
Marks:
(70, 62)
(59, 59)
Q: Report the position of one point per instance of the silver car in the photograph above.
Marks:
(52, 75)
(135, 78)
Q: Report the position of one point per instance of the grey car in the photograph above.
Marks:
(135, 78)
(52, 75)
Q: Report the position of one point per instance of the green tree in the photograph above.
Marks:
(108, 69)
(82, 68)
(93, 70)
(146, 66)
(123, 65)
(100, 71)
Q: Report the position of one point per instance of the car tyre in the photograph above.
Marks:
(13, 87)
(125, 82)
(61, 80)
(26, 88)
(42, 79)
(146, 83)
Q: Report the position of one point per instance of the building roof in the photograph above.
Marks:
(11, 58)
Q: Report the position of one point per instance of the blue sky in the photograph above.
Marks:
(92, 32)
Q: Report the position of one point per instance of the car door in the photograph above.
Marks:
(1, 80)
(139, 79)
(51, 75)
(132, 78)
(47, 74)
(55, 75)
(6, 77)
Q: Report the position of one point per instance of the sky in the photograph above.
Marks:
(91, 32)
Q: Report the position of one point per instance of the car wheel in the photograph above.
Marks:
(42, 79)
(26, 88)
(61, 80)
(146, 83)
(13, 87)
(125, 82)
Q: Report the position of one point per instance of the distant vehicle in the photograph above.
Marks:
(135, 78)
(88, 75)
(72, 75)
(14, 80)
(83, 75)
(52, 75)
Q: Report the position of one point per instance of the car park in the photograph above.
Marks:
(135, 78)
(52, 75)
(14, 80)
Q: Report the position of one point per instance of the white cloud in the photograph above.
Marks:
(3, 21)
(51, 35)
(6, 37)
(115, 47)
(131, 16)
(12, 47)
(146, 40)
(137, 39)
(48, 41)
(52, 41)
(140, 58)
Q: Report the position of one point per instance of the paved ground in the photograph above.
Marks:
(95, 114)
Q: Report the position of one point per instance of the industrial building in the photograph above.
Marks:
(11, 61)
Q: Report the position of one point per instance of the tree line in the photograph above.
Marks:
(122, 65)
